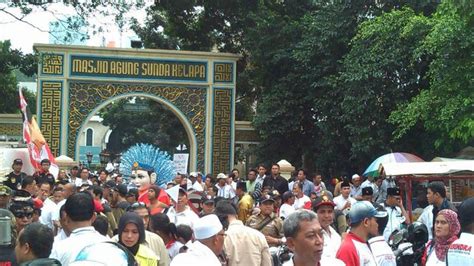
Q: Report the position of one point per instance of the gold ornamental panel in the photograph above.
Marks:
(51, 94)
(84, 97)
(222, 130)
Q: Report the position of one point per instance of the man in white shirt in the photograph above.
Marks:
(356, 188)
(180, 212)
(324, 207)
(287, 208)
(195, 184)
(300, 198)
(224, 190)
(84, 178)
(344, 201)
(304, 238)
(80, 213)
(397, 216)
(209, 244)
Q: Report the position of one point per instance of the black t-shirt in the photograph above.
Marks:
(13, 180)
(44, 177)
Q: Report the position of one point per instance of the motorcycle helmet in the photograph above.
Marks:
(417, 234)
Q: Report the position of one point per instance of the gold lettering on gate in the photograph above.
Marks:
(137, 69)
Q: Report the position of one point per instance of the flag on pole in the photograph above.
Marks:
(38, 149)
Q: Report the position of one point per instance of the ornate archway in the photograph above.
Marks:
(199, 88)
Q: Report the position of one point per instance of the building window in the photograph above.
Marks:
(89, 136)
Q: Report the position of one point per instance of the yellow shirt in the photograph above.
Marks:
(146, 257)
(245, 207)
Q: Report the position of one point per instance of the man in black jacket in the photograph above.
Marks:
(276, 181)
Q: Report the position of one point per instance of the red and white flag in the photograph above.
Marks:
(37, 146)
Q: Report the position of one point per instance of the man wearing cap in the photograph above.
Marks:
(207, 205)
(5, 196)
(324, 207)
(267, 222)
(367, 194)
(461, 251)
(243, 245)
(344, 201)
(224, 190)
(13, 179)
(287, 208)
(397, 216)
(209, 243)
(356, 188)
(354, 249)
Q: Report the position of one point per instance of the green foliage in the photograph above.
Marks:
(145, 121)
(446, 108)
(11, 60)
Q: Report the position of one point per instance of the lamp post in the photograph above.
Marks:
(104, 158)
(89, 158)
(118, 160)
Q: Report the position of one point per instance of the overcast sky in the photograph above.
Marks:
(23, 36)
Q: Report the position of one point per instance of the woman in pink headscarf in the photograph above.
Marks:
(446, 230)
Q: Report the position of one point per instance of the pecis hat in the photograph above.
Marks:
(367, 191)
(393, 191)
(17, 161)
(364, 209)
(207, 227)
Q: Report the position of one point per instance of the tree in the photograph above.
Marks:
(141, 120)
(445, 109)
(9, 61)
(381, 70)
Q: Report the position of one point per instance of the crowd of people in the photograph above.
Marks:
(228, 219)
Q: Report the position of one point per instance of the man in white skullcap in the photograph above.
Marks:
(209, 244)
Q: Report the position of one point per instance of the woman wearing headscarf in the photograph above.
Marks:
(446, 230)
(131, 234)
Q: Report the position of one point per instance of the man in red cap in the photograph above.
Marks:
(324, 207)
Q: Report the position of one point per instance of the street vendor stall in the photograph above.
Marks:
(448, 171)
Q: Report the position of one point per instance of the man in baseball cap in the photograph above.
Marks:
(13, 179)
(324, 207)
(354, 249)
